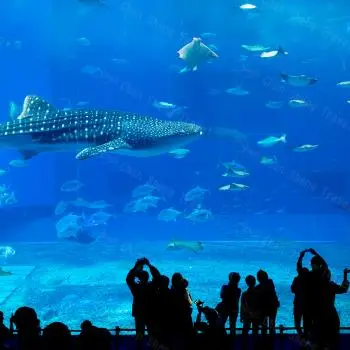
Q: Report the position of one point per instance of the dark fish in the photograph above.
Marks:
(83, 237)
(5, 273)
(194, 247)
(298, 80)
(43, 128)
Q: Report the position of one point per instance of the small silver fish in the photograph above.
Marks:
(272, 140)
(298, 103)
(255, 48)
(163, 105)
(344, 84)
(274, 53)
(233, 187)
(305, 148)
(247, 7)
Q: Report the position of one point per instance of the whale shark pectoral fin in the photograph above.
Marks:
(28, 154)
(105, 147)
(34, 106)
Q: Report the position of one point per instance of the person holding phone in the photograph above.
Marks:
(326, 322)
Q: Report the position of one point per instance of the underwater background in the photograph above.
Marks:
(122, 55)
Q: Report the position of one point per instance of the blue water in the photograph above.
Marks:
(134, 45)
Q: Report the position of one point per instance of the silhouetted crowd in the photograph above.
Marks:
(165, 311)
(55, 336)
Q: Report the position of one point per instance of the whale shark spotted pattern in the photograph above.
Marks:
(43, 128)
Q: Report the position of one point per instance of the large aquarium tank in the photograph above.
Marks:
(210, 137)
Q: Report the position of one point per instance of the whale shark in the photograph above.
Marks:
(41, 127)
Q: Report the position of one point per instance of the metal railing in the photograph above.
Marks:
(123, 338)
(132, 331)
(279, 330)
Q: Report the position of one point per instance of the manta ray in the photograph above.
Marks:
(194, 54)
(41, 127)
(194, 247)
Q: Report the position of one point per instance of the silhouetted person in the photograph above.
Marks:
(105, 339)
(152, 286)
(140, 287)
(56, 336)
(181, 311)
(93, 338)
(249, 313)
(161, 313)
(214, 333)
(88, 337)
(326, 328)
(300, 288)
(312, 284)
(28, 328)
(267, 301)
(229, 306)
(5, 333)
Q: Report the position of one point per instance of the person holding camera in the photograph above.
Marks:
(321, 319)
(141, 290)
(307, 288)
(304, 289)
(326, 322)
(213, 330)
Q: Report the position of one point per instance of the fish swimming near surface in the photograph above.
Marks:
(194, 247)
(43, 128)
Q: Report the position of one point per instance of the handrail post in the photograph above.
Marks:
(117, 337)
(281, 336)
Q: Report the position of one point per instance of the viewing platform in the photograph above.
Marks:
(284, 339)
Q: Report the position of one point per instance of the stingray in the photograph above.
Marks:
(194, 54)
(194, 247)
